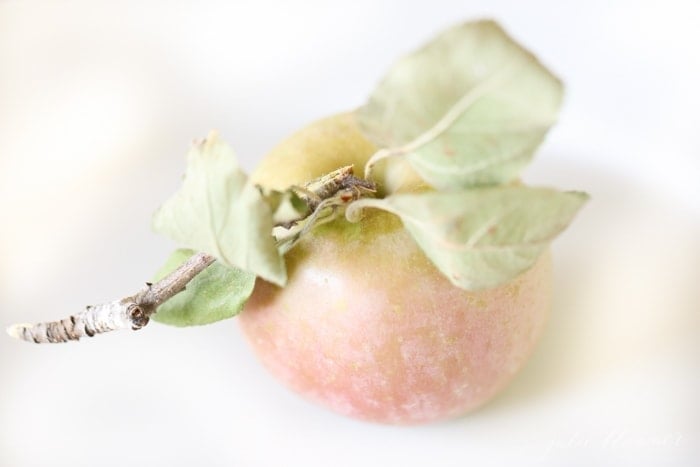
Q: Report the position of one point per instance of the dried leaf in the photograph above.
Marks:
(286, 206)
(467, 109)
(482, 237)
(217, 211)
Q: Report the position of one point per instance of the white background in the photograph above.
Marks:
(98, 104)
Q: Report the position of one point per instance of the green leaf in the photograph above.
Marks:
(467, 109)
(217, 211)
(286, 206)
(481, 237)
(217, 293)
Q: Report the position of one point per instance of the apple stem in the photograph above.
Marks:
(325, 196)
(329, 185)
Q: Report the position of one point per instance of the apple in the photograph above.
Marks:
(366, 325)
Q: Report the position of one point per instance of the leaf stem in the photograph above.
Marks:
(446, 121)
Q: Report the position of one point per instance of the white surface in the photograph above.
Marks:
(98, 104)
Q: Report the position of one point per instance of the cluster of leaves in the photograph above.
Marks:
(466, 111)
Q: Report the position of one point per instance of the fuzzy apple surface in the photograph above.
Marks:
(366, 325)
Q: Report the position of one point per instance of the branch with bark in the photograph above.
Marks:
(332, 190)
(131, 312)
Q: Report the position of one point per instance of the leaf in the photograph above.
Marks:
(467, 109)
(286, 206)
(217, 293)
(481, 237)
(217, 211)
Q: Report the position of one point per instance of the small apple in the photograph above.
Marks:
(427, 296)
(366, 324)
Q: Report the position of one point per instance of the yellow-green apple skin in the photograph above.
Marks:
(366, 325)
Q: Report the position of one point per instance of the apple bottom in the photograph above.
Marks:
(408, 349)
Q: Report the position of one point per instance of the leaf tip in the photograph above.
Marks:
(485, 22)
(582, 196)
(279, 279)
(206, 142)
(212, 136)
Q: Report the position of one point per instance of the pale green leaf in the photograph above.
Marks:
(481, 237)
(286, 206)
(467, 109)
(219, 292)
(217, 211)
